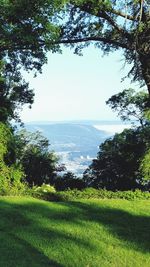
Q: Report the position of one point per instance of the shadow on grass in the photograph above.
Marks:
(22, 235)
(131, 228)
(134, 229)
(15, 251)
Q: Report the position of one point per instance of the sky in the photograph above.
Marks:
(75, 87)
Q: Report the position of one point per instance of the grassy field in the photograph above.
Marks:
(92, 233)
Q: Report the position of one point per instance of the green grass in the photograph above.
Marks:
(92, 233)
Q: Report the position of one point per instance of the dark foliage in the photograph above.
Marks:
(38, 162)
(118, 161)
(68, 181)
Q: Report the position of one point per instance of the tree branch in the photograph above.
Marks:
(89, 9)
(24, 46)
(105, 15)
(121, 14)
(111, 21)
(95, 39)
(116, 26)
(101, 14)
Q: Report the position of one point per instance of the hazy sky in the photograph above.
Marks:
(73, 87)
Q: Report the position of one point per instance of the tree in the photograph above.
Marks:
(118, 161)
(112, 25)
(39, 164)
(118, 164)
(130, 105)
(14, 93)
(27, 32)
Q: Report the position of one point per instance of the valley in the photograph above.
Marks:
(76, 143)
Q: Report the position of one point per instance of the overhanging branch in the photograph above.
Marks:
(93, 39)
(42, 43)
(89, 9)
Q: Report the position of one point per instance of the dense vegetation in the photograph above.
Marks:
(11, 174)
(33, 150)
(122, 161)
(117, 166)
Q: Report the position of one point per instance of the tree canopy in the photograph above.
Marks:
(122, 161)
(29, 29)
(27, 32)
(130, 105)
(112, 25)
(117, 166)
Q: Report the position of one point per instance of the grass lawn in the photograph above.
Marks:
(89, 233)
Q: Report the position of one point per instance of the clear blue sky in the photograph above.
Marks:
(76, 88)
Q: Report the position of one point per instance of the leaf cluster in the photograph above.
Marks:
(130, 105)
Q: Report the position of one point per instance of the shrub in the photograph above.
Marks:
(49, 193)
(91, 193)
(145, 167)
(11, 181)
(68, 181)
(45, 191)
(11, 175)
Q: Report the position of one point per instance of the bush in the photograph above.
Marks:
(49, 193)
(145, 167)
(45, 191)
(91, 193)
(68, 181)
(11, 182)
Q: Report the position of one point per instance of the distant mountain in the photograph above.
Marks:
(68, 135)
(84, 122)
(76, 143)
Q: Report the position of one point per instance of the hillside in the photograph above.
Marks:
(76, 144)
(62, 135)
(74, 234)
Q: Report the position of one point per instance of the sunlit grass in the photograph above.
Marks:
(89, 233)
